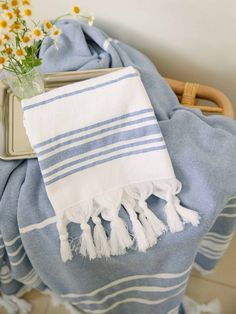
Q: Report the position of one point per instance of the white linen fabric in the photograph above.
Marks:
(99, 146)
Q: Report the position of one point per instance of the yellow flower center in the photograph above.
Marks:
(9, 15)
(14, 3)
(48, 24)
(1, 42)
(28, 12)
(37, 32)
(3, 24)
(25, 2)
(2, 60)
(9, 50)
(26, 39)
(4, 6)
(19, 52)
(6, 37)
(76, 9)
(56, 32)
(15, 26)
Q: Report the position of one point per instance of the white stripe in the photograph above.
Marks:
(210, 256)
(137, 300)
(107, 43)
(6, 280)
(230, 206)
(108, 125)
(29, 275)
(218, 235)
(87, 162)
(19, 261)
(11, 242)
(97, 137)
(175, 310)
(126, 279)
(134, 288)
(16, 252)
(232, 198)
(214, 246)
(39, 225)
(98, 150)
(209, 252)
(217, 240)
(228, 215)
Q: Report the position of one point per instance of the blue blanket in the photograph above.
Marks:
(203, 151)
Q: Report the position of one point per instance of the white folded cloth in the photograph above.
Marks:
(99, 146)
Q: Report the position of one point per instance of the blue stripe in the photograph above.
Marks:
(99, 162)
(88, 136)
(102, 142)
(84, 90)
(108, 151)
(93, 126)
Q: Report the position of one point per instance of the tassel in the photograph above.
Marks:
(9, 306)
(23, 306)
(87, 247)
(100, 238)
(65, 248)
(138, 230)
(173, 220)
(119, 238)
(150, 235)
(187, 215)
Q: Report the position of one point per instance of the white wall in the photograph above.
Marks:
(191, 40)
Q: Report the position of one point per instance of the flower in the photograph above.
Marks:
(14, 3)
(3, 61)
(2, 44)
(27, 40)
(25, 2)
(9, 37)
(55, 33)
(4, 6)
(75, 10)
(20, 53)
(4, 25)
(48, 26)
(91, 19)
(9, 16)
(37, 34)
(8, 51)
(17, 12)
(16, 27)
(27, 12)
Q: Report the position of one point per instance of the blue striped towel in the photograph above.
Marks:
(99, 146)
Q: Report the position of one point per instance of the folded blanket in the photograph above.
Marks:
(100, 147)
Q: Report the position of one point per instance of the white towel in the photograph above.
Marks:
(99, 146)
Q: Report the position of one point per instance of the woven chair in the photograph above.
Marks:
(189, 95)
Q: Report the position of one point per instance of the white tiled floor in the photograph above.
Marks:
(220, 284)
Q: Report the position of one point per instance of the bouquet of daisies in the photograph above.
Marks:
(21, 36)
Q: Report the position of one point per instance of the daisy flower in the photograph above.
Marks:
(37, 34)
(4, 6)
(75, 10)
(26, 40)
(2, 44)
(55, 33)
(26, 2)
(3, 61)
(4, 25)
(20, 53)
(8, 51)
(14, 3)
(26, 12)
(9, 37)
(48, 26)
(16, 27)
(17, 12)
(9, 16)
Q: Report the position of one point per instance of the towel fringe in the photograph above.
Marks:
(14, 305)
(146, 227)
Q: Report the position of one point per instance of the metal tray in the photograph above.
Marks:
(14, 143)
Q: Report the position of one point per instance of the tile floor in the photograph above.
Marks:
(221, 284)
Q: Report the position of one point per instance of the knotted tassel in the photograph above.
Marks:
(65, 248)
(23, 306)
(100, 238)
(173, 220)
(138, 230)
(87, 247)
(186, 214)
(154, 227)
(119, 238)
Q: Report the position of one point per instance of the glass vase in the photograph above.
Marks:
(26, 85)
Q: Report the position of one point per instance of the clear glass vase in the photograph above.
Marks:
(26, 85)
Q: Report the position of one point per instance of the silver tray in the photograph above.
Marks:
(14, 143)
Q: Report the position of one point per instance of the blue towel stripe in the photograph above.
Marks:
(84, 90)
(92, 126)
(105, 152)
(99, 162)
(88, 136)
(99, 143)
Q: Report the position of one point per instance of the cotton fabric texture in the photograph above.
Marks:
(202, 151)
(100, 147)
